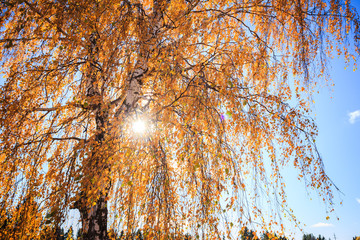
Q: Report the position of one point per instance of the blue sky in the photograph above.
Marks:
(337, 113)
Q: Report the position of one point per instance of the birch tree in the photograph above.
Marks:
(170, 116)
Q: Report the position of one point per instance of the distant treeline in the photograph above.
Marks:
(57, 233)
(246, 234)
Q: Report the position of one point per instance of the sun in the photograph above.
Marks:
(139, 126)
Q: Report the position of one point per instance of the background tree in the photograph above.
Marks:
(310, 236)
(247, 234)
(210, 79)
(268, 236)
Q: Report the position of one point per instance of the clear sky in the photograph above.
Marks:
(337, 114)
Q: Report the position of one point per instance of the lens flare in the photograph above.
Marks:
(139, 126)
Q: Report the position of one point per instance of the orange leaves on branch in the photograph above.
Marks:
(223, 89)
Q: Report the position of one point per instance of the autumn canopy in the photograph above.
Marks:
(220, 90)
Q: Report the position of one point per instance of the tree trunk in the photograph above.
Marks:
(94, 217)
(93, 209)
(94, 222)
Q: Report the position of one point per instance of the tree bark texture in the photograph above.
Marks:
(94, 217)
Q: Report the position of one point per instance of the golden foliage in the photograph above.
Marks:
(224, 88)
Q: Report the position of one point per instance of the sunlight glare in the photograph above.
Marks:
(139, 126)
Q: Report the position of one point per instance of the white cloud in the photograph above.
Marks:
(320, 224)
(358, 200)
(353, 116)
